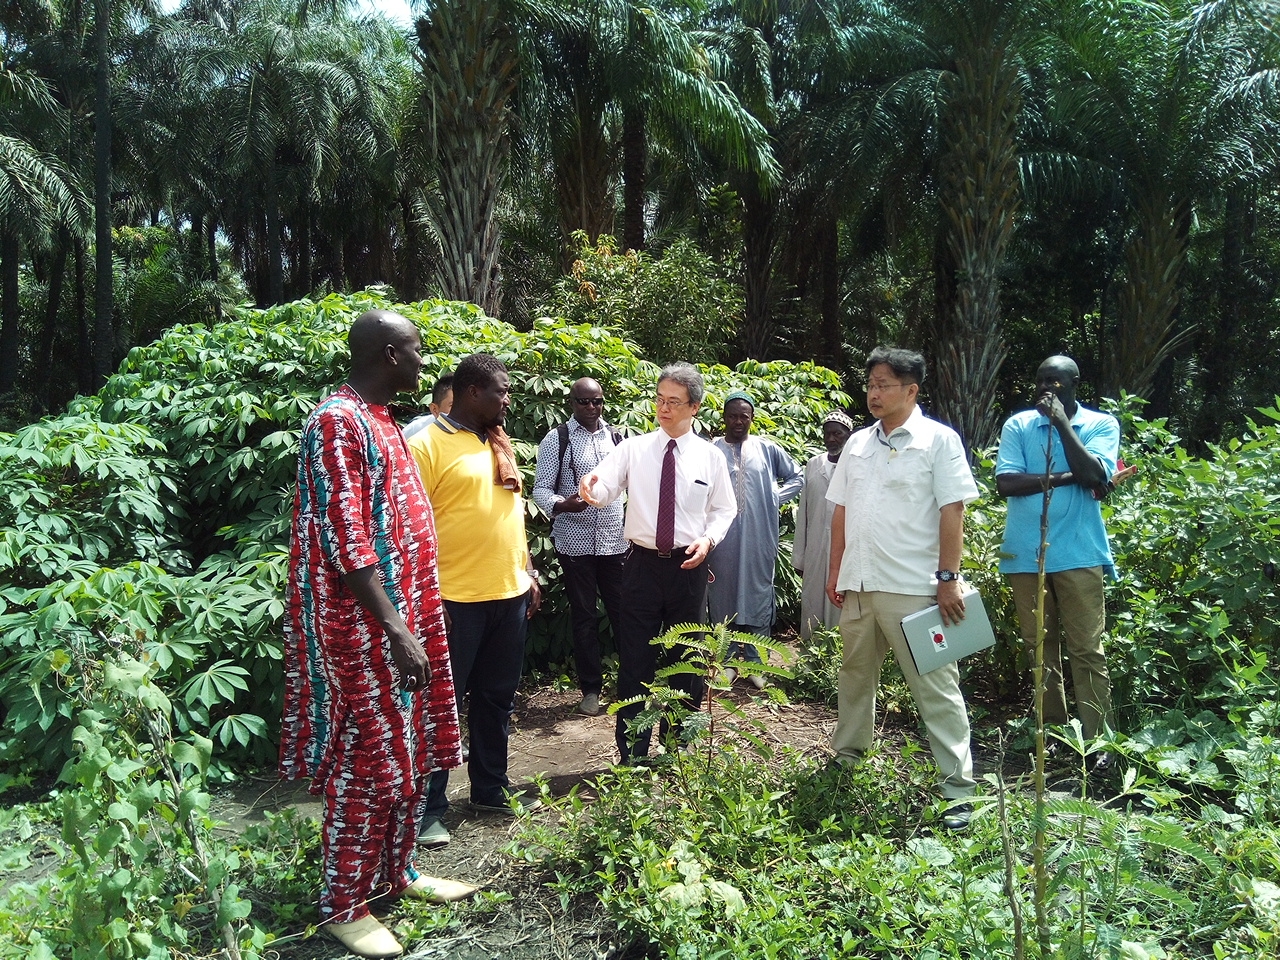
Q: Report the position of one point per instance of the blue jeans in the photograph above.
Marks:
(486, 651)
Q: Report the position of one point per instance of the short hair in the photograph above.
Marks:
(443, 386)
(907, 364)
(477, 370)
(687, 375)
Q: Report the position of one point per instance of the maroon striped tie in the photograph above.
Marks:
(665, 539)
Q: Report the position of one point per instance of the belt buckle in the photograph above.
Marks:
(664, 556)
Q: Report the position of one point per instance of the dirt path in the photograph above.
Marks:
(548, 740)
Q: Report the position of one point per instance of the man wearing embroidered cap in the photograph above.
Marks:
(764, 477)
(812, 547)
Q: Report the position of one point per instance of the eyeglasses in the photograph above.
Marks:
(872, 386)
(664, 404)
(589, 401)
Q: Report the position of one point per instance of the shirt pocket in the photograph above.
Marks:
(692, 495)
(858, 477)
(908, 478)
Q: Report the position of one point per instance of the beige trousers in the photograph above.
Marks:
(871, 624)
(1074, 612)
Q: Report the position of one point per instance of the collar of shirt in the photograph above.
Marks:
(575, 426)
(1076, 418)
(866, 441)
(446, 422)
(682, 442)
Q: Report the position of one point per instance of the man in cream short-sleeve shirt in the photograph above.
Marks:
(900, 491)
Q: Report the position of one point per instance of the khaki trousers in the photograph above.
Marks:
(871, 624)
(1074, 612)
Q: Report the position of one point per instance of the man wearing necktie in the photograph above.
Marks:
(680, 504)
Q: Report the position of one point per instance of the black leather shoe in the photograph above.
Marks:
(957, 818)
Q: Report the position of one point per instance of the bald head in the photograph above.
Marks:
(373, 332)
(586, 397)
(1059, 375)
(386, 355)
(1062, 365)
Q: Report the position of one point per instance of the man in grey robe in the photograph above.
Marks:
(764, 477)
(812, 548)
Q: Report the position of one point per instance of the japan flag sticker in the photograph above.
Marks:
(939, 638)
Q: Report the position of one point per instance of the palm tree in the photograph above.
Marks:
(1173, 101)
(669, 84)
(38, 196)
(979, 197)
(469, 54)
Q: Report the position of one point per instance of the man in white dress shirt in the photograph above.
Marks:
(897, 533)
(680, 504)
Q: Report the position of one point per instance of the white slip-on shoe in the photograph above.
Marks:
(438, 890)
(366, 937)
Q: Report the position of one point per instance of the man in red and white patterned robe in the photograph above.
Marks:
(369, 706)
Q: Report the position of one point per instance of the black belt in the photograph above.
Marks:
(675, 552)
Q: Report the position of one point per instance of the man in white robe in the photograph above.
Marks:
(812, 548)
(764, 477)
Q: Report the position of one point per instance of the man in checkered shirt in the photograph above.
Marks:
(588, 541)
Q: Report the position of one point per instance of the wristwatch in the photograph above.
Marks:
(946, 576)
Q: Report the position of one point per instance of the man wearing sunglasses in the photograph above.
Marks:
(589, 543)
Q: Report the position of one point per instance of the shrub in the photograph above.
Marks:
(676, 307)
(735, 857)
(160, 508)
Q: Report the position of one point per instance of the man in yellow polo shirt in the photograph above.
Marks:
(488, 584)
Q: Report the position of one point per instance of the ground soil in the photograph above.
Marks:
(566, 750)
(551, 741)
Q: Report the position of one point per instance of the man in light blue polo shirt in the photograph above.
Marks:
(1079, 448)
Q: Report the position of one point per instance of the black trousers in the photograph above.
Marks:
(656, 595)
(486, 653)
(587, 580)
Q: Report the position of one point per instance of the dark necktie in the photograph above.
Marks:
(665, 539)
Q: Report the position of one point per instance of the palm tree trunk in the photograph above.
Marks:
(1146, 309)
(104, 338)
(44, 351)
(302, 283)
(979, 198)
(759, 237)
(582, 180)
(635, 162)
(831, 330)
(1218, 347)
(211, 239)
(469, 60)
(409, 253)
(275, 251)
(10, 334)
(84, 338)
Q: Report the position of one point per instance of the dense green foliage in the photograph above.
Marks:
(730, 854)
(987, 180)
(159, 509)
(679, 307)
(142, 542)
